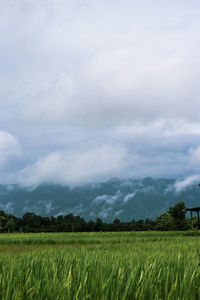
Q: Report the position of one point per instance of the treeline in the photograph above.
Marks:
(174, 219)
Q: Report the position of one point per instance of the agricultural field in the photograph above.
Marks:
(128, 265)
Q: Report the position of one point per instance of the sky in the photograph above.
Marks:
(91, 90)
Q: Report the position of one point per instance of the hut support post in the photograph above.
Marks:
(191, 219)
(198, 219)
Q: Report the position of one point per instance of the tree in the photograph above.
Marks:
(31, 222)
(149, 224)
(139, 225)
(117, 226)
(11, 225)
(91, 226)
(165, 222)
(98, 225)
(177, 212)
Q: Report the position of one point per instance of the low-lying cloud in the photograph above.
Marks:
(183, 184)
(75, 168)
(194, 161)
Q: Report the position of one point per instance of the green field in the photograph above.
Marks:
(130, 265)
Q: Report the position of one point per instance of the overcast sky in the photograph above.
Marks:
(93, 89)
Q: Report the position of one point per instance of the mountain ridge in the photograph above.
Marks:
(125, 199)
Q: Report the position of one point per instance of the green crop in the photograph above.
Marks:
(119, 266)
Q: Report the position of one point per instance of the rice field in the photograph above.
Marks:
(130, 265)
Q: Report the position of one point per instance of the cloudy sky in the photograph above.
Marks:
(92, 89)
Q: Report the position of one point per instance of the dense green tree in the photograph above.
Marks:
(149, 224)
(178, 212)
(139, 225)
(10, 225)
(165, 222)
(90, 226)
(98, 225)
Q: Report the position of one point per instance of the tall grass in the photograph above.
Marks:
(100, 266)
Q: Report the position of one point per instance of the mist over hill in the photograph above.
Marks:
(125, 199)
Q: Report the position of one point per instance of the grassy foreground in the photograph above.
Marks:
(130, 265)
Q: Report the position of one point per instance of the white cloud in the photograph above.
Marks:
(128, 197)
(194, 162)
(183, 184)
(63, 167)
(110, 200)
(9, 147)
(105, 212)
(107, 200)
(77, 211)
(119, 212)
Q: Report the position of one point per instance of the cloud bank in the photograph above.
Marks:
(91, 90)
